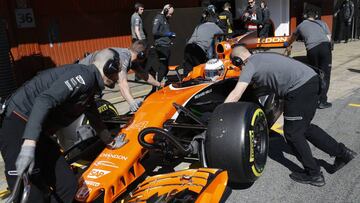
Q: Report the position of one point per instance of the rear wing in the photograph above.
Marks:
(224, 44)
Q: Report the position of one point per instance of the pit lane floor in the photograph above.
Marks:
(342, 122)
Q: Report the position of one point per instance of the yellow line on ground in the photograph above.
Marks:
(354, 105)
(4, 193)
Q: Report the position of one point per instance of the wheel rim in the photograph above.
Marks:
(260, 142)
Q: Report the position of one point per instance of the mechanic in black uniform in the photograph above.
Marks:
(49, 101)
(266, 23)
(226, 19)
(298, 85)
(317, 36)
(159, 55)
(347, 13)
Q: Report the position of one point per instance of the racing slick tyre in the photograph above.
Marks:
(237, 140)
(76, 146)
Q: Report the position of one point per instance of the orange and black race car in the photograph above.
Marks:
(186, 122)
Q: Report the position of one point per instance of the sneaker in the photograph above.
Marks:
(341, 161)
(324, 105)
(305, 178)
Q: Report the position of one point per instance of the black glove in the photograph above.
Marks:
(25, 159)
(105, 136)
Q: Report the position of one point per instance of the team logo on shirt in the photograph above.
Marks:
(67, 83)
(80, 79)
(73, 82)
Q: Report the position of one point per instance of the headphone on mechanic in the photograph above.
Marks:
(235, 60)
(140, 47)
(141, 55)
(112, 65)
(166, 9)
(311, 13)
(137, 6)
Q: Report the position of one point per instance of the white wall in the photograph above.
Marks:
(279, 14)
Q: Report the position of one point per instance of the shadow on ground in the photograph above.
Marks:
(277, 148)
(354, 70)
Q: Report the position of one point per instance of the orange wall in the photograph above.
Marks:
(75, 27)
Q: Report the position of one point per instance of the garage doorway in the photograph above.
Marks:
(279, 14)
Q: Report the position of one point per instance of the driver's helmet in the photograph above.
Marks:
(213, 69)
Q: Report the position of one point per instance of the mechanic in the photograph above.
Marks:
(137, 29)
(159, 55)
(298, 85)
(317, 37)
(347, 11)
(266, 23)
(252, 14)
(52, 100)
(135, 53)
(200, 47)
(226, 18)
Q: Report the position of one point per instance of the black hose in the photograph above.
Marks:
(169, 137)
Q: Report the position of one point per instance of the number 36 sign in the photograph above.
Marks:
(25, 18)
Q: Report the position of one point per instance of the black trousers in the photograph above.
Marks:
(299, 109)
(51, 169)
(158, 62)
(344, 32)
(193, 56)
(264, 32)
(320, 57)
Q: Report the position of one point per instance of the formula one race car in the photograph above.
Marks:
(186, 122)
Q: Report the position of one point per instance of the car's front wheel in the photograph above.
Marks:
(237, 141)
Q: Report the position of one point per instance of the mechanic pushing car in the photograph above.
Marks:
(317, 37)
(159, 55)
(134, 54)
(52, 100)
(298, 84)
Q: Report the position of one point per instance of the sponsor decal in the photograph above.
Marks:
(67, 83)
(272, 40)
(106, 163)
(103, 108)
(92, 183)
(139, 126)
(80, 79)
(97, 173)
(251, 140)
(203, 93)
(114, 156)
